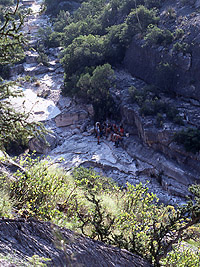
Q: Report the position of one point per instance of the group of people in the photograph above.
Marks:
(110, 131)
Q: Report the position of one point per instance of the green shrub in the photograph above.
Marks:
(126, 217)
(147, 108)
(6, 205)
(152, 107)
(182, 256)
(170, 13)
(180, 47)
(43, 58)
(137, 95)
(35, 190)
(139, 19)
(157, 36)
(61, 21)
(189, 138)
(116, 40)
(53, 7)
(48, 37)
(179, 33)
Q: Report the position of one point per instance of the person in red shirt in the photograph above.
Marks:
(121, 130)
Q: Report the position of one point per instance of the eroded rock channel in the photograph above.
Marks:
(148, 154)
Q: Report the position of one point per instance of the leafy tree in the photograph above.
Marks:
(62, 20)
(14, 126)
(155, 35)
(89, 8)
(139, 19)
(11, 39)
(74, 30)
(85, 51)
(96, 88)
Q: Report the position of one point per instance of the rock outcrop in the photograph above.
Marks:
(43, 145)
(143, 61)
(178, 165)
(21, 239)
(76, 115)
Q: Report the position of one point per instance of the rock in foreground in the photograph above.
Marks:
(21, 239)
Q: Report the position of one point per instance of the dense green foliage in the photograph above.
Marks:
(155, 35)
(98, 33)
(183, 256)
(53, 7)
(189, 138)
(11, 39)
(98, 82)
(128, 217)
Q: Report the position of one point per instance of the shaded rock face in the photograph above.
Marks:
(21, 239)
(41, 145)
(197, 3)
(15, 70)
(143, 61)
(180, 166)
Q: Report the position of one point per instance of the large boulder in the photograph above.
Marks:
(20, 239)
(75, 116)
(16, 69)
(34, 70)
(31, 57)
(43, 145)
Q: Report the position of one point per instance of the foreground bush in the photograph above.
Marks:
(183, 256)
(128, 217)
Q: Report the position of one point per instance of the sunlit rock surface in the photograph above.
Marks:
(73, 128)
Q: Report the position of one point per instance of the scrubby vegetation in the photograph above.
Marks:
(127, 217)
(152, 105)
